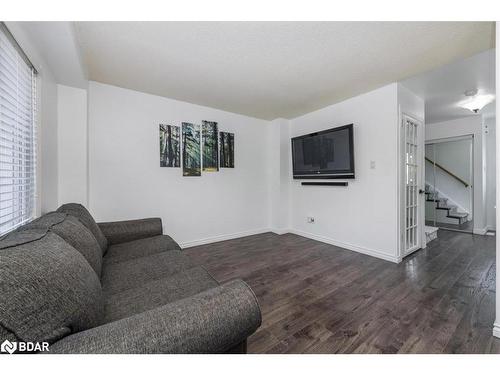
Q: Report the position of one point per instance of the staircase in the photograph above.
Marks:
(449, 211)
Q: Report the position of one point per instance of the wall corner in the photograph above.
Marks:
(279, 175)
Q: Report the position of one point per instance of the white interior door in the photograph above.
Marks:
(412, 130)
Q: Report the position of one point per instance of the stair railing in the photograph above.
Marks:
(466, 184)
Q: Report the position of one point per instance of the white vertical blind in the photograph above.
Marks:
(17, 135)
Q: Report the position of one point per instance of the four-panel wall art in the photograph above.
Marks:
(206, 150)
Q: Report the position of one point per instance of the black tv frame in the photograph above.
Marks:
(328, 174)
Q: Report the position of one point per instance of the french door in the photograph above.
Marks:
(412, 133)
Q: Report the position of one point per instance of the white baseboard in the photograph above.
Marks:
(280, 231)
(496, 330)
(480, 231)
(359, 249)
(222, 237)
(330, 241)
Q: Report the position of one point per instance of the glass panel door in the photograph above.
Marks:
(412, 180)
(449, 184)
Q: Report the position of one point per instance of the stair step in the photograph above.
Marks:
(442, 204)
(458, 215)
(430, 233)
(429, 229)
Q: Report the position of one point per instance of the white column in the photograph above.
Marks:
(496, 328)
(72, 145)
(279, 155)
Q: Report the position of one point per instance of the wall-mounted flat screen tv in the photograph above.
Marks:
(325, 154)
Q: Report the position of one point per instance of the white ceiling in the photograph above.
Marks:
(271, 69)
(443, 88)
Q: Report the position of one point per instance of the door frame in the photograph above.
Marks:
(472, 175)
(421, 240)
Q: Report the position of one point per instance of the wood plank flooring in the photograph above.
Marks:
(468, 226)
(318, 298)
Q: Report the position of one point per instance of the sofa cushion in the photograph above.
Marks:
(130, 230)
(78, 236)
(81, 213)
(70, 229)
(157, 293)
(117, 277)
(139, 248)
(47, 289)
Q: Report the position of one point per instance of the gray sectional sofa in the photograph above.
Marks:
(118, 287)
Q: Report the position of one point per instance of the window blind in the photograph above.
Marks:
(17, 134)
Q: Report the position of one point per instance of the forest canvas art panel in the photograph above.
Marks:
(191, 149)
(210, 150)
(226, 146)
(170, 153)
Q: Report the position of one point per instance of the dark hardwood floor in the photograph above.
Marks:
(468, 226)
(318, 298)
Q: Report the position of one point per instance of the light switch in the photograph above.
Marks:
(372, 164)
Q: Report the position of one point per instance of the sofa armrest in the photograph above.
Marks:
(209, 322)
(130, 230)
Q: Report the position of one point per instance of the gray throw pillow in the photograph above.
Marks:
(70, 229)
(82, 214)
(77, 235)
(48, 290)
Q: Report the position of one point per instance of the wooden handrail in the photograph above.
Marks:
(466, 184)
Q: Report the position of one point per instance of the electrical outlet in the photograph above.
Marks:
(310, 219)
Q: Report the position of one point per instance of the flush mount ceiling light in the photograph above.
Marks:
(475, 102)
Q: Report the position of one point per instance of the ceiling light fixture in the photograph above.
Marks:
(475, 102)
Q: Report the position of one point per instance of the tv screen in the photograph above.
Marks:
(326, 154)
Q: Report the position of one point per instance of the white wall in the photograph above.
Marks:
(362, 216)
(490, 138)
(410, 104)
(48, 145)
(460, 127)
(126, 180)
(72, 145)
